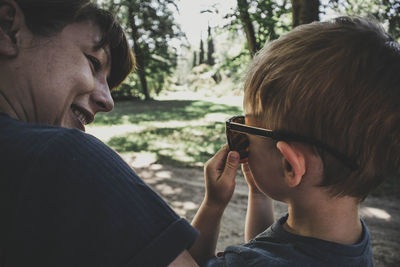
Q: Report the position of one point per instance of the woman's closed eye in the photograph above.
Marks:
(94, 62)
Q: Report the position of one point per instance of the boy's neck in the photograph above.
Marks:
(334, 219)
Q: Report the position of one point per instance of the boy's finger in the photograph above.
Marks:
(231, 165)
(246, 170)
(218, 159)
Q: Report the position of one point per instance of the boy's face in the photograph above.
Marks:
(265, 162)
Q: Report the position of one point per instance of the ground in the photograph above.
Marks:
(183, 189)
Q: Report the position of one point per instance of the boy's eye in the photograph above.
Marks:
(95, 62)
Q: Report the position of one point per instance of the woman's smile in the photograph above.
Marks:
(81, 116)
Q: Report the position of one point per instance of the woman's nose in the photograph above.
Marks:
(102, 99)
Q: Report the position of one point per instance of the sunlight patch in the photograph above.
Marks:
(375, 213)
(182, 207)
(217, 117)
(165, 189)
(105, 133)
(163, 174)
(156, 167)
(144, 159)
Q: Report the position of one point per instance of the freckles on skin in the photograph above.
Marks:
(62, 73)
(66, 83)
(60, 79)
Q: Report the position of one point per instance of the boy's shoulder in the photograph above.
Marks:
(277, 247)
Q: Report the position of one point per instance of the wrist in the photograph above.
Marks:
(258, 195)
(214, 207)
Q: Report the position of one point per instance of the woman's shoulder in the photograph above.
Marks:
(21, 140)
(68, 154)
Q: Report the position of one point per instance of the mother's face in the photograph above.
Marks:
(65, 77)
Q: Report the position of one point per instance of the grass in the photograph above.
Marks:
(179, 132)
(138, 112)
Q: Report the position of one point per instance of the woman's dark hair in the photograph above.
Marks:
(48, 17)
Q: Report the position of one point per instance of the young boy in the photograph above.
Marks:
(330, 93)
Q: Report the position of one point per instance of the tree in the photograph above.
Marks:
(271, 18)
(392, 15)
(210, 48)
(260, 20)
(194, 59)
(201, 54)
(304, 11)
(385, 11)
(243, 7)
(139, 53)
(150, 25)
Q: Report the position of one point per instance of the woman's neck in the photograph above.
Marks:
(9, 107)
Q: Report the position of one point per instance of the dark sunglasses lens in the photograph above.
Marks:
(238, 141)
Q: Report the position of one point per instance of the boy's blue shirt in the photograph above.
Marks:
(277, 247)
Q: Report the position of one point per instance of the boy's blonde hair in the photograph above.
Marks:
(337, 82)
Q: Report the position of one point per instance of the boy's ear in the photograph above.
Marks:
(11, 19)
(293, 163)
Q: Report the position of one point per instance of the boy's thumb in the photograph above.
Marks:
(232, 163)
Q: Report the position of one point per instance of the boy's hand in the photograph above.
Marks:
(220, 172)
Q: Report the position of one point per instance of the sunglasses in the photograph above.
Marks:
(237, 131)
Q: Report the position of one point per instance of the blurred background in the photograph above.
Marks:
(178, 42)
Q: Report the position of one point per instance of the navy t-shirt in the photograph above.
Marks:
(277, 247)
(67, 199)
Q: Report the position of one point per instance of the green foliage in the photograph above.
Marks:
(128, 90)
(177, 132)
(271, 19)
(235, 67)
(179, 146)
(155, 27)
(139, 112)
(385, 11)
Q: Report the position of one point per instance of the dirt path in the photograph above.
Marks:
(183, 189)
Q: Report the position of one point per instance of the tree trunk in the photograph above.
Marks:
(305, 11)
(243, 6)
(138, 53)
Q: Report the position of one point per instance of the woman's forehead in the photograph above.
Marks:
(87, 31)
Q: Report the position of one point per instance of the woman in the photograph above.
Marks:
(66, 198)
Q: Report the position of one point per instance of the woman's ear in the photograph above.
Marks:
(11, 18)
(293, 163)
